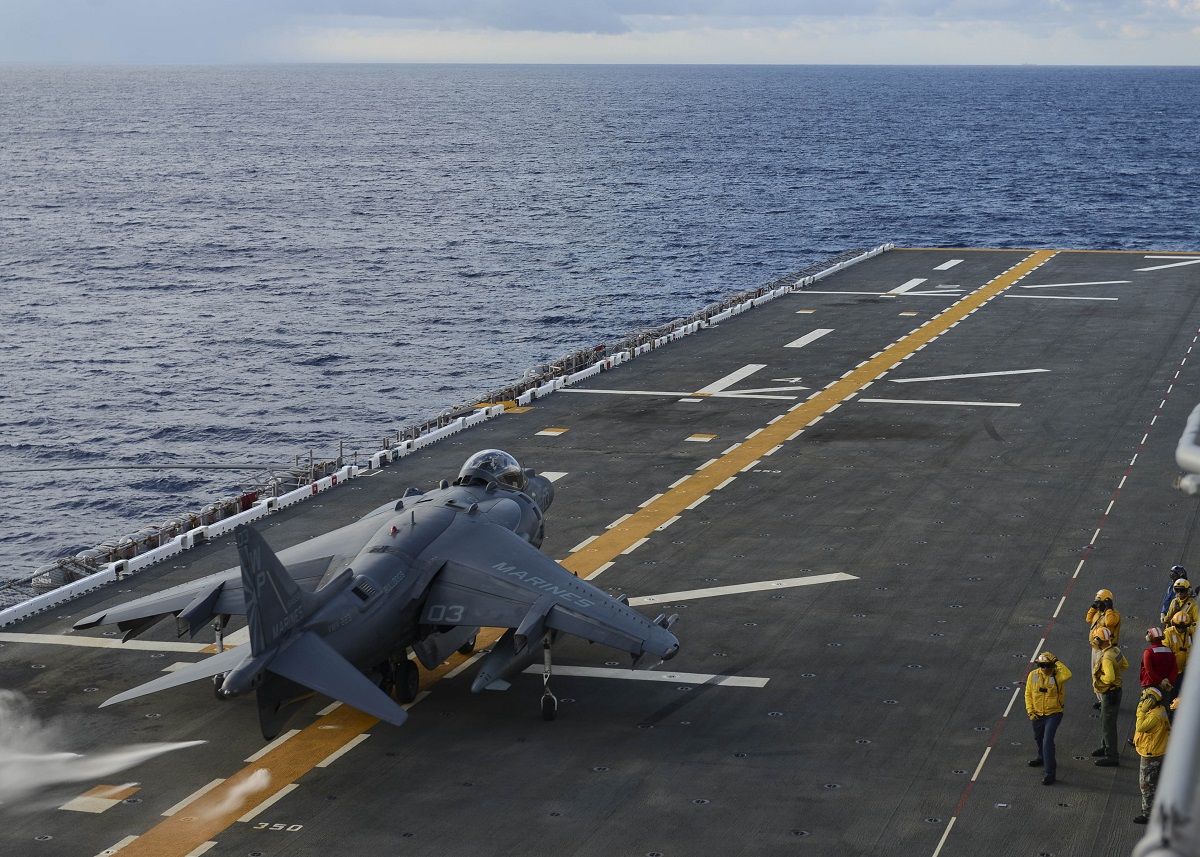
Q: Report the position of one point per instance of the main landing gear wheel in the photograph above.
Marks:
(218, 680)
(387, 677)
(549, 700)
(469, 646)
(408, 681)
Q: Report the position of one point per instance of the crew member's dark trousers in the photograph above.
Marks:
(1148, 781)
(1109, 703)
(1043, 735)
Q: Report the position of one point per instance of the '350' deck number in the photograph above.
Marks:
(266, 825)
(439, 613)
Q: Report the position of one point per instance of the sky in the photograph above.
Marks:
(922, 32)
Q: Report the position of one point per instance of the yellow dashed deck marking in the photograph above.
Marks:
(209, 814)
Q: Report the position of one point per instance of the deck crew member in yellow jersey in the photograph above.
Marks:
(1178, 639)
(1102, 614)
(1150, 740)
(1183, 602)
(1045, 689)
(1106, 681)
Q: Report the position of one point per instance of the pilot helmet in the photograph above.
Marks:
(1153, 635)
(1104, 595)
(1045, 659)
(493, 465)
(1152, 693)
(1182, 585)
(1178, 571)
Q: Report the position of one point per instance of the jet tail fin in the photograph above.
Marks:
(274, 603)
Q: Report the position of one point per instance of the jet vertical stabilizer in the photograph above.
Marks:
(274, 603)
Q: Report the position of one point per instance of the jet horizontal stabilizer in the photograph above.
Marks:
(310, 661)
(222, 663)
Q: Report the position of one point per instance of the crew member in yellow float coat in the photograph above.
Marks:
(1106, 681)
(1045, 688)
(1183, 602)
(1178, 638)
(1102, 614)
(1150, 740)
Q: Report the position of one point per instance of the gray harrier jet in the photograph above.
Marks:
(338, 613)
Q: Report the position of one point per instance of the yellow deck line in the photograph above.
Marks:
(202, 820)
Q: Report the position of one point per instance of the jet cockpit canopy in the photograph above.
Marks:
(493, 465)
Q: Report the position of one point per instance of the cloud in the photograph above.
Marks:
(987, 31)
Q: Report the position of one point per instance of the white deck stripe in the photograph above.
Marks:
(946, 266)
(101, 642)
(808, 338)
(108, 852)
(1065, 285)
(650, 675)
(198, 793)
(979, 767)
(739, 588)
(969, 375)
(945, 836)
(635, 546)
(909, 286)
(586, 542)
(729, 380)
(271, 801)
(931, 402)
(202, 849)
(623, 392)
(345, 748)
(267, 749)
(1178, 264)
(237, 638)
(1060, 298)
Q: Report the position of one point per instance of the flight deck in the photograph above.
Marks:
(872, 502)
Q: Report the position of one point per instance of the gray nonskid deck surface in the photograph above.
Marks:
(963, 526)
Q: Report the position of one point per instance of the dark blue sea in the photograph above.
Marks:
(239, 264)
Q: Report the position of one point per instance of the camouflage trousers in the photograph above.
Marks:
(1148, 780)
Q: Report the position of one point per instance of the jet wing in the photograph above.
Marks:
(494, 578)
(209, 596)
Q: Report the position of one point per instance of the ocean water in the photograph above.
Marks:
(219, 264)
